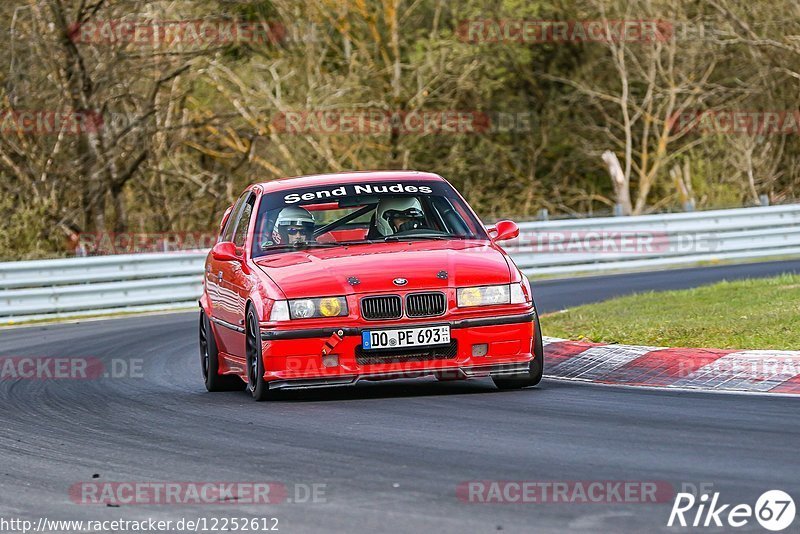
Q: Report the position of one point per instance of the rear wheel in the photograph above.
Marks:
(534, 375)
(256, 384)
(209, 361)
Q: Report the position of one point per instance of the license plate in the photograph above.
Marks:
(405, 337)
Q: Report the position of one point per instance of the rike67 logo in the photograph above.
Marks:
(774, 510)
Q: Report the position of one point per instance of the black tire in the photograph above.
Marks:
(256, 385)
(534, 375)
(209, 361)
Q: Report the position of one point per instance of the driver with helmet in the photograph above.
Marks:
(399, 214)
(294, 225)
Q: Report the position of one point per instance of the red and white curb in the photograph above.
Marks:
(757, 371)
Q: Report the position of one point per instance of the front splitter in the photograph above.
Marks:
(474, 371)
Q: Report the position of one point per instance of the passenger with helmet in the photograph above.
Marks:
(398, 214)
(294, 225)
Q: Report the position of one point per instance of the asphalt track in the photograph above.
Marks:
(390, 454)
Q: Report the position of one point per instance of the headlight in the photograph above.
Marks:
(332, 307)
(483, 296)
(491, 295)
(302, 309)
(284, 310)
(309, 308)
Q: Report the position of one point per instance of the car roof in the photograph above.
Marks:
(297, 182)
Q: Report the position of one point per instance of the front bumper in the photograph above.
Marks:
(294, 358)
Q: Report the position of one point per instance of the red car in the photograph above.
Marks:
(327, 280)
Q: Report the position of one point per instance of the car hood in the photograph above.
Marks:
(333, 271)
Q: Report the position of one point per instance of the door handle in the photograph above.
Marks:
(219, 277)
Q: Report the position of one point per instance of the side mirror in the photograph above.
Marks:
(225, 251)
(506, 230)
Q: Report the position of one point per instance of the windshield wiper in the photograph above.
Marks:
(394, 238)
(298, 246)
(357, 242)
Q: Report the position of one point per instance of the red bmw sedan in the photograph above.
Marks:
(328, 280)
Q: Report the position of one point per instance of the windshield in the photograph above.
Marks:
(335, 215)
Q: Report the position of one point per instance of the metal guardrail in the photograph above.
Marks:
(109, 284)
(575, 246)
(32, 290)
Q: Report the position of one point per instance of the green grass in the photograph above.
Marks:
(746, 314)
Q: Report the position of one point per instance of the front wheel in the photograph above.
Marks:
(256, 384)
(209, 361)
(536, 370)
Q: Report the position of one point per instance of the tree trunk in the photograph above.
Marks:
(622, 194)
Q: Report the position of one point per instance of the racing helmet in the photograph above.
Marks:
(293, 216)
(393, 207)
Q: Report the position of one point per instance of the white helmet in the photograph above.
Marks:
(392, 207)
(293, 216)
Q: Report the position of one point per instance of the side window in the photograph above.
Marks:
(224, 223)
(240, 235)
(227, 234)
